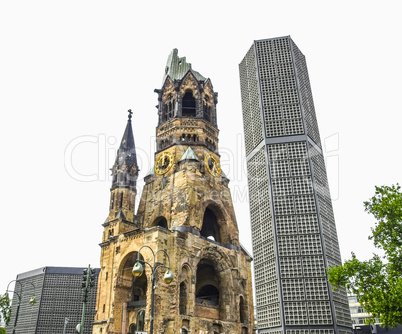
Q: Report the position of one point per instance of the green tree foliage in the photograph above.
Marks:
(2, 330)
(5, 308)
(378, 281)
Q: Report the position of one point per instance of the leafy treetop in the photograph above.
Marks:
(378, 282)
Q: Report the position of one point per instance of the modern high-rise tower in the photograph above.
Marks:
(293, 229)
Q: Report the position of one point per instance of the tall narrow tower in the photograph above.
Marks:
(186, 211)
(293, 229)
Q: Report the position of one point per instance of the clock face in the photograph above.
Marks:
(212, 164)
(164, 163)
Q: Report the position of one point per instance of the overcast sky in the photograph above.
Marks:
(70, 70)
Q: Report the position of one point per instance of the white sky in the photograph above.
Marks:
(70, 70)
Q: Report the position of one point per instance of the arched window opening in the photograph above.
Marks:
(112, 201)
(164, 113)
(132, 329)
(217, 329)
(207, 284)
(183, 298)
(188, 105)
(139, 288)
(242, 310)
(170, 110)
(210, 294)
(121, 199)
(244, 330)
(138, 291)
(207, 113)
(183, 137)
(184, 331)
(140, 320)
(210, 227)
(160, 221)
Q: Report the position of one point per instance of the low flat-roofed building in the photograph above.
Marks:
(58, 307)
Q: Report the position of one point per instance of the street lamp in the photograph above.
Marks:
(32, 300)
(138, 269)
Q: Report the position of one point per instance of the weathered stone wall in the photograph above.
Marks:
(187, 211)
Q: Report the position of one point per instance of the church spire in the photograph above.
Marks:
(125, 174)
(125, 168)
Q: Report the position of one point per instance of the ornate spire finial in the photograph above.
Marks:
(129, 114)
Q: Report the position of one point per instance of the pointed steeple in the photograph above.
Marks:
(125, 169)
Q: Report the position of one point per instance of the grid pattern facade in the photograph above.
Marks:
(292, 222)
(59, 296)
(279, 93)
(27, 318)
(265, 267)
(250, 102)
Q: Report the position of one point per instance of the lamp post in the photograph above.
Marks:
(32, 300)
(168, 277)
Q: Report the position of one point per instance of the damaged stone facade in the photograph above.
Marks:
(186, 210)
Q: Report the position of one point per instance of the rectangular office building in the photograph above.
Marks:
(293, 229)
(58, 307)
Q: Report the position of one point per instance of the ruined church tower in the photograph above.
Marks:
(185, 210)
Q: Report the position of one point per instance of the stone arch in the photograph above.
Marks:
(184, 288)
(133, 289)
(183, 293)
(215, 275)
(189, 84)
(214, 222)
(140, 320)
(161, 222)
(208, 283)
(189, 104)
(217, 256)
(154, 219)
(242, 310)
(132, 328)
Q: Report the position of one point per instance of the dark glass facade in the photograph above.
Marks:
(58, 296)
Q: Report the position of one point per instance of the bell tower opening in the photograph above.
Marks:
(207, 284)
(188, 105)
(160, 221)
(210, 227)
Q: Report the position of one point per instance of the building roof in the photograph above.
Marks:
(177, 67)
(126, 159)
(189, 155)
(127, 145)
